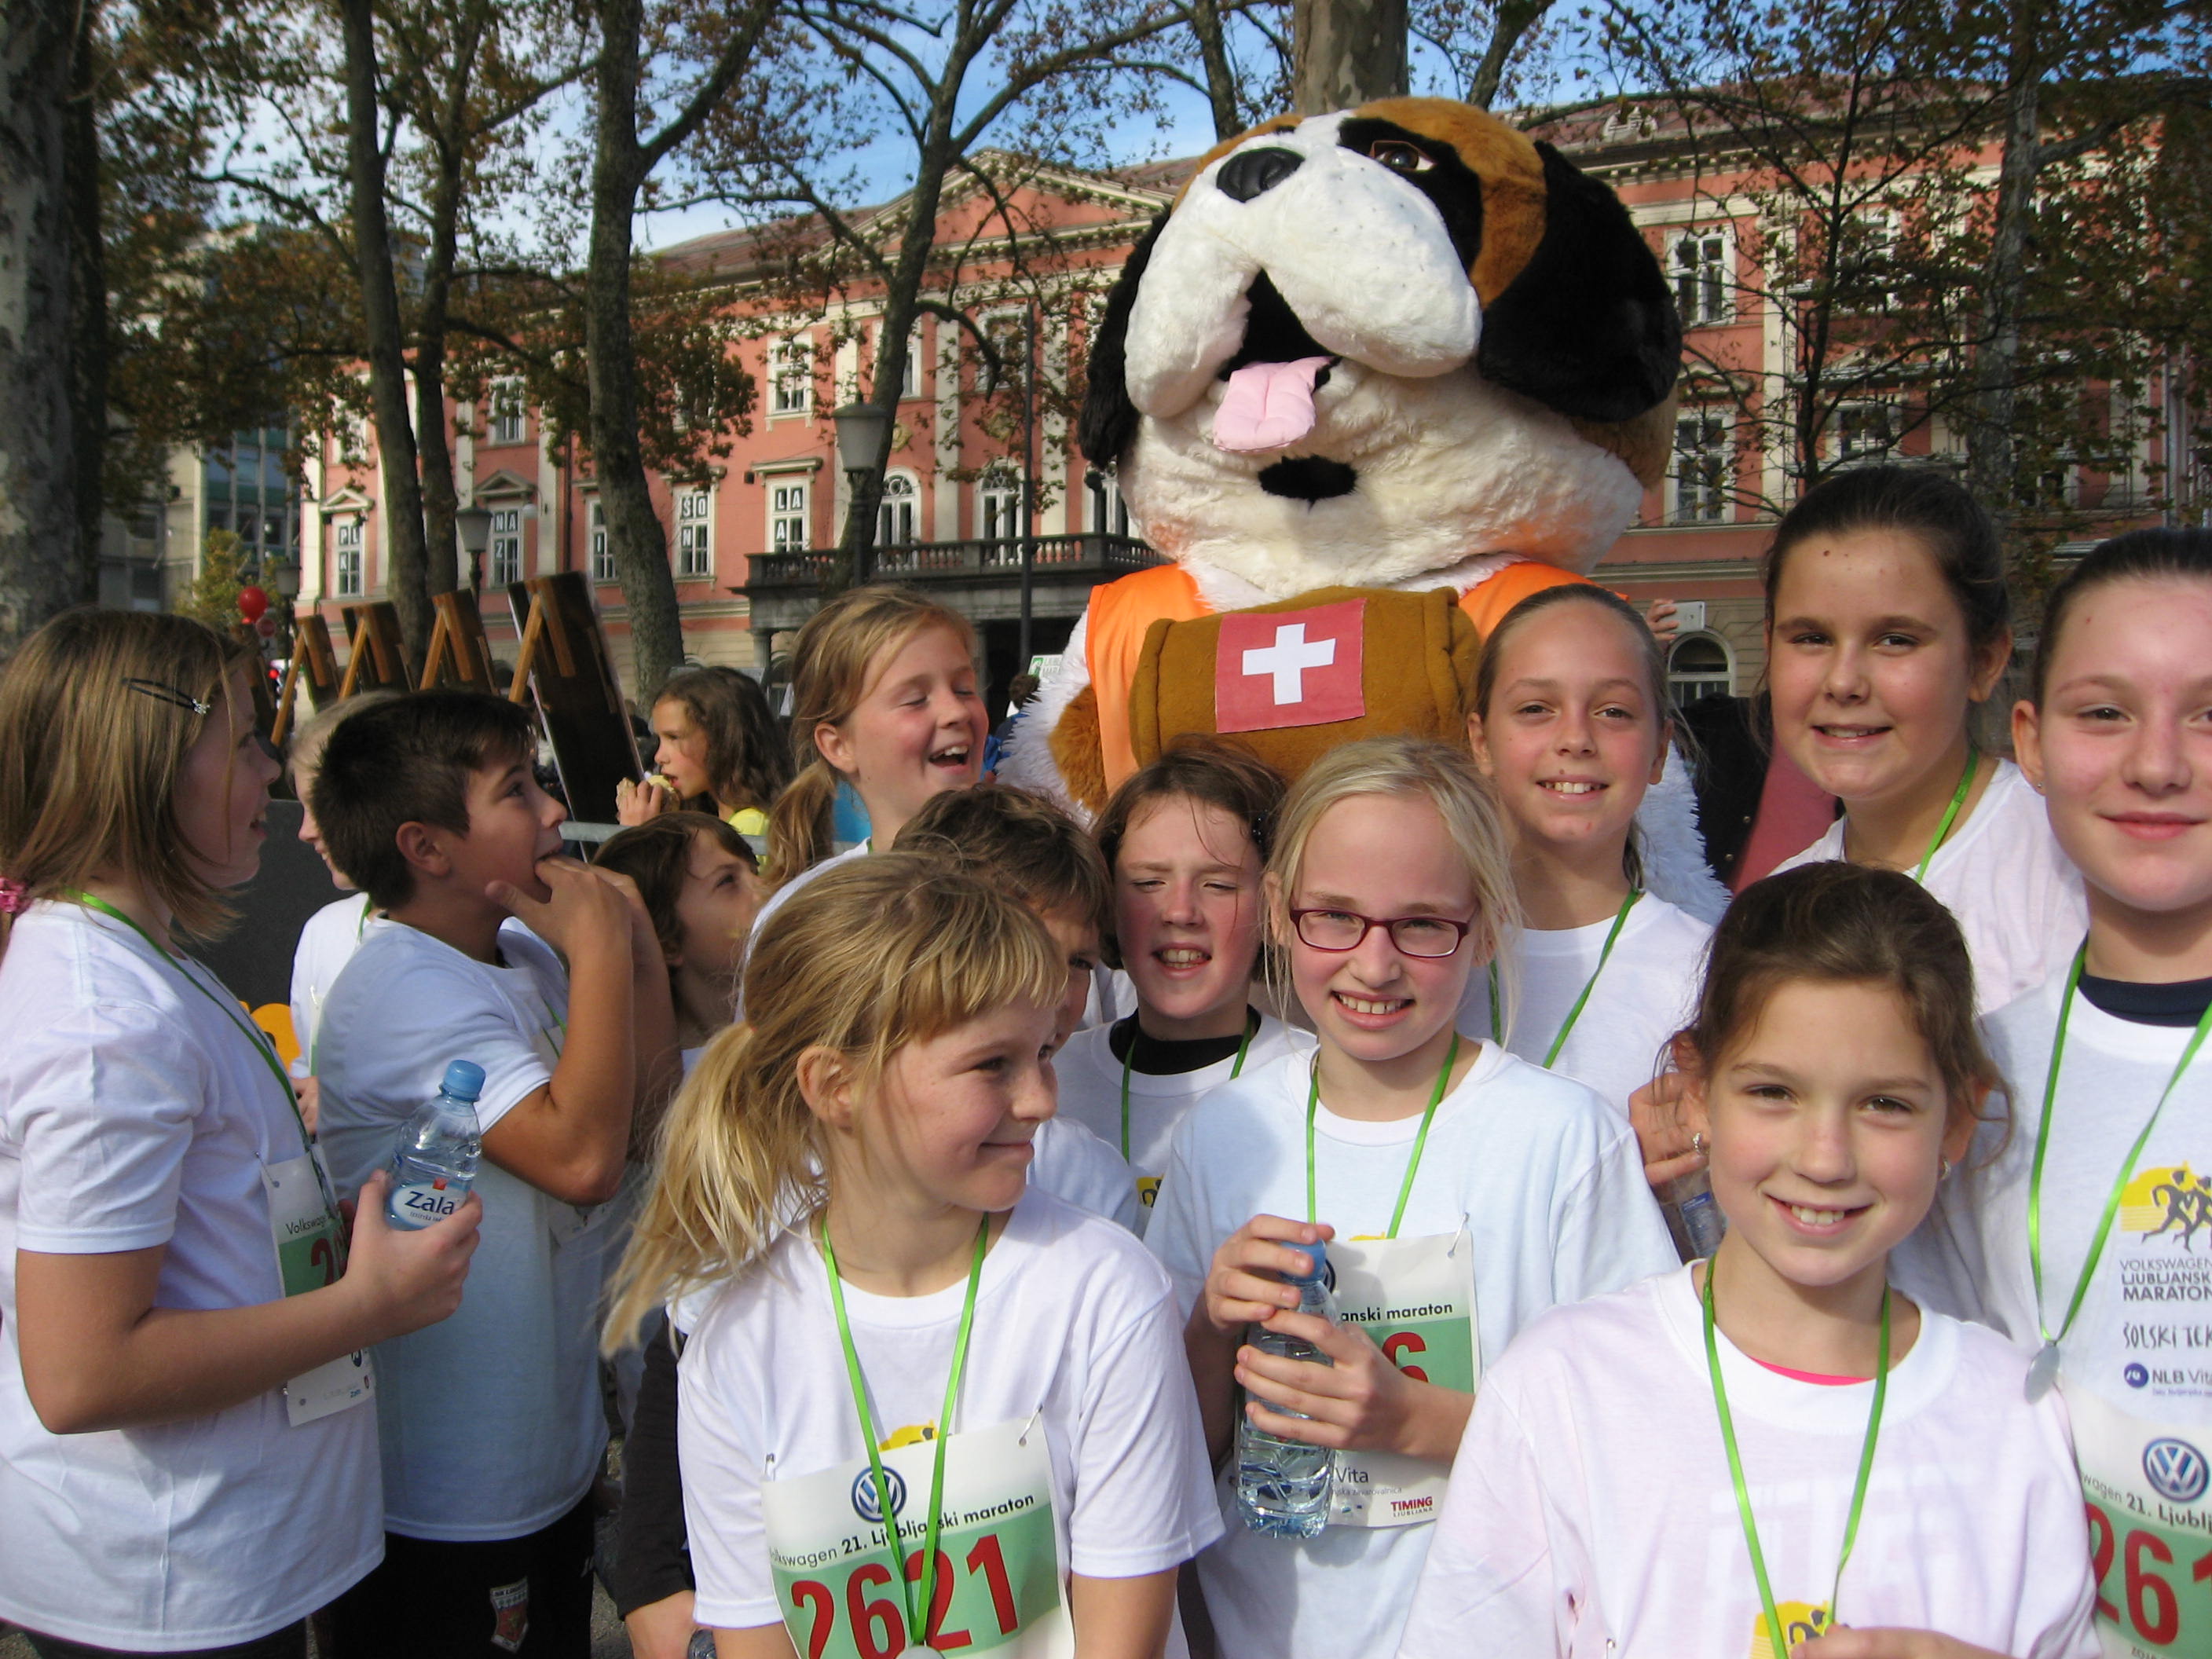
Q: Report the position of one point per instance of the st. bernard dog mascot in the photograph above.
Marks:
(1402, 347)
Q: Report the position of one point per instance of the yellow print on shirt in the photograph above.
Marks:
(2169, 1201)
(1800, 1622)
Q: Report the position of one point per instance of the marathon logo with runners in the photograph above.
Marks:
(2165, 1281)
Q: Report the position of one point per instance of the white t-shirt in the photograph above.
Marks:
(327, 943)
(2016, 895)
(1072, 1320)
(777, 900)
(491, 1420)
(1546, 1179)
(133, 1114)
(1075, 1166)
(1090, 1093)
(1647, 991)
(1592, 1511)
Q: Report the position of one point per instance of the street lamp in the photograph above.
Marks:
(282, 578)
(860, 434)
(472, 526)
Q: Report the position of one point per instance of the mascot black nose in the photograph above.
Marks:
(1247, 173)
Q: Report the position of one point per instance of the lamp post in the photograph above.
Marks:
(472, 527)
(860, 433)
(1029, 480)
(282, 577)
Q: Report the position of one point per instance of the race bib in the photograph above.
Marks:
(2150, 1529)
(998, 1585)
(310, 1254)
(1415, 1299)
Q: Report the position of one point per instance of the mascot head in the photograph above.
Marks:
(1364, 347)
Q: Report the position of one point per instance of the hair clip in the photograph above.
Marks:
(170, 694)
(14, 896)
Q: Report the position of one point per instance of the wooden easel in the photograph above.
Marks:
(378, 658)
(458, 636)
(562, 663)
(311, 649)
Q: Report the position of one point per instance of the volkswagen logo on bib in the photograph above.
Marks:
(2176, 1470)
(864, 1495)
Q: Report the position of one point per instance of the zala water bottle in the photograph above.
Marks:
(437, 1157)
(1283, 1485)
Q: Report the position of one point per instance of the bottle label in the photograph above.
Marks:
(420, 1203)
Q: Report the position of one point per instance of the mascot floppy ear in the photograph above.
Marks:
(1589, 327)
(1110, 419)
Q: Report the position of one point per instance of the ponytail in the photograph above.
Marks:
(802, 822)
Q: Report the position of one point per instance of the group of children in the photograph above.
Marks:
(929, 1293)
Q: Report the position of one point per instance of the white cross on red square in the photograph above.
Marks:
(1280, 668)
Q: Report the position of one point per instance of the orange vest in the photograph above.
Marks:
(1123, 611)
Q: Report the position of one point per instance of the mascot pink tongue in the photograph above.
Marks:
(1267, 405)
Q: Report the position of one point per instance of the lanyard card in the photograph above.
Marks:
(308, 1257)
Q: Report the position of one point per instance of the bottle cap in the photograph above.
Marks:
(1319, 1253)
(464, 1080)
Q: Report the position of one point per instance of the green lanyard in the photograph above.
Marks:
(1412, 1164)
(2043, 1371)
(1950, 812)
(916, 1634)
(1550, 1055)
(1244, 1048)
(1735, 1467)
(253, 1033)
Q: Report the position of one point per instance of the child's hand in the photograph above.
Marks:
(310, 1091)
(408, 1279)
(1887, 1644)
(636, 802)
(1239, 1291)
(1358, 1402)
(1662, 1131)
(644, 943)
(585, 909)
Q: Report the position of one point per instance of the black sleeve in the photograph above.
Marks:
(652, 1555)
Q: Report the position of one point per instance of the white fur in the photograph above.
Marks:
(1361, 256)
(1672, 849)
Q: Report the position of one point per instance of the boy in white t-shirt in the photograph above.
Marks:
(492, 1430)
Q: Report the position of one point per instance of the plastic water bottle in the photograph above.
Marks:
(1283, 1485)
(436, 1160)
(1692, 1218)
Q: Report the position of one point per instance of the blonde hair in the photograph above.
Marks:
(866, 958)
(1443, 777)
(88, 762)
(303, 755)
(840, 650)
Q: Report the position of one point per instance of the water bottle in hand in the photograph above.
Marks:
(1283, 1485)
(1693, 1218)
(437, 1157)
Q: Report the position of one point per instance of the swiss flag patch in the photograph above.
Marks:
(1279, 668)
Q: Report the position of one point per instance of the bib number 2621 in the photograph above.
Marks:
(973, 1605)
(2154, 1582)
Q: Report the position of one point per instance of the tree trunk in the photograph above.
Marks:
(635, 532)
(87, 299)
(406, 556)
(442, 564)
(1992, 462)
(42, 571)
(1220, 74)
(1347, 52)
(1514, 20)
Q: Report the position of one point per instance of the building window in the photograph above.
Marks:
(345, 540)
(1110, 513)
(507, 411)
(998, 501)
(1702, 441)
(1697, 666)
(793, 363)
(1863, 432)
(506, 545)
(603, 556)
(910, 373)
(695, 548)
(895, 518)
(1698, 266)
(787, 517)
(1005, 366)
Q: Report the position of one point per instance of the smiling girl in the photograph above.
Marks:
(2085, 1241)
(884, 694)
(1750, 1453)
(1186, 839)
(1569, 724)
(908, 1327)
(1887, 623)
(1455, 1183)
(185, 1465)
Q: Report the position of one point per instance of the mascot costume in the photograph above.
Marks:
(1374, 377)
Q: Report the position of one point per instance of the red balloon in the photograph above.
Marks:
(251, 602)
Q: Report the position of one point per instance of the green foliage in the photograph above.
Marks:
(212, 598)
